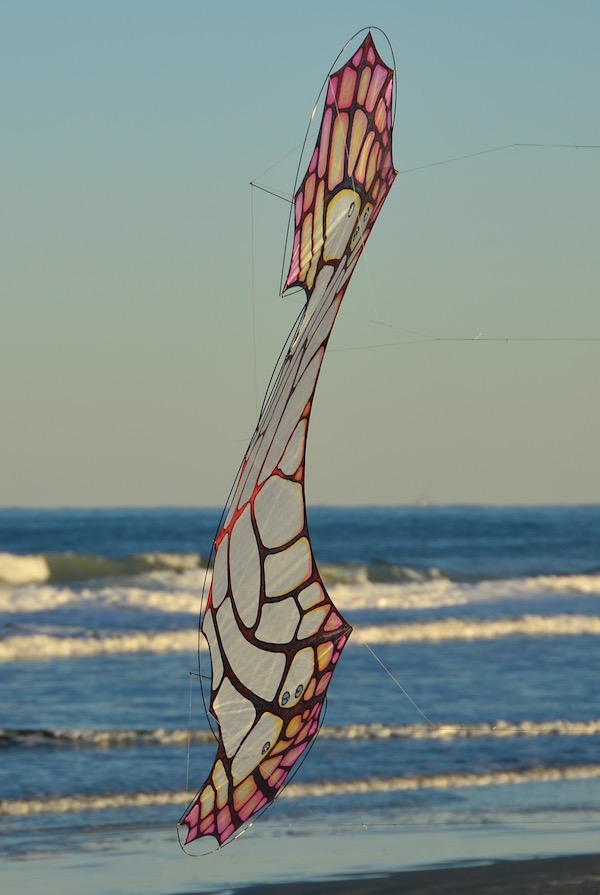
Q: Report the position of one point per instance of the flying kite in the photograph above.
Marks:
(273, 632)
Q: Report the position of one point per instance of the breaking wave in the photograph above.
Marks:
(499, 729)
(102, 802)
(69, 567)
(442, 781)
(174, 583)
(376, 573)
(157, 595)
(18, 570)
(35, 647)
(101, 739)
(115, 739)
(563, 625)
(40, 646)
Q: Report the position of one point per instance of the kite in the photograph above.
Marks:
(273, 633)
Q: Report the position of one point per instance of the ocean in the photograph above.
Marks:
(467, 697)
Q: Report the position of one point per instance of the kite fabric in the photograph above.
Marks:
(273, 632)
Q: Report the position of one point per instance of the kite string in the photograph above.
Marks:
(253, 291)
(460, 158)
(189, 736)
(399, 685)
(478, 338)
(433, 724)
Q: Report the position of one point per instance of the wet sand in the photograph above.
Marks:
(578, 875)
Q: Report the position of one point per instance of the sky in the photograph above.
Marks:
(139, 291)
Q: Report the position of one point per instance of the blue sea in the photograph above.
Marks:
(466, 700)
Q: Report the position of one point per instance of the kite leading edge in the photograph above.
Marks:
(273, 632)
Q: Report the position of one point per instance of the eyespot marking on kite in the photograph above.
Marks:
(299, 674)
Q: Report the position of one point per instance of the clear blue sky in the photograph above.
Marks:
(131, 269)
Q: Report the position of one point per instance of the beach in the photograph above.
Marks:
(578, 875)
(271, 861)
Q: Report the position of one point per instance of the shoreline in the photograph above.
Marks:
(567, 875)
(502, 860)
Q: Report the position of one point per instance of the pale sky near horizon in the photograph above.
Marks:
(135, 256)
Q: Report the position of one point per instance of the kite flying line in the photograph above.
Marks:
(426, 337)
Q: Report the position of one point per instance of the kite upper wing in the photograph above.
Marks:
(274, 634)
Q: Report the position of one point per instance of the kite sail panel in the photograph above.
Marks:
(273, 632)
(350, 171)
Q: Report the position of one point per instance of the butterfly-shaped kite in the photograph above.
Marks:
(273, 632)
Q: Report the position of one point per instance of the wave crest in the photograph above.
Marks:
(102, 802)
(562, 625)
(18, 570)
(39, 647)
(116, 739)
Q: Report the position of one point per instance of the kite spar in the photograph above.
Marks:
(273, 632)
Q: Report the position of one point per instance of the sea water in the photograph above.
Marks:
(467, 694)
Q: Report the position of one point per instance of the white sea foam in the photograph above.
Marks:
(476, 629)
(418, 595)
(157, 592)
(103, 739)
(17, 570)
(439, 592)
(28, 599)
(69, 804)
(42, 646)
(62, 567)
(581, 584)
(498, 730)
(103, 802)
(38, 647)
(442, 781)
(115, 739)
(174, 583)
